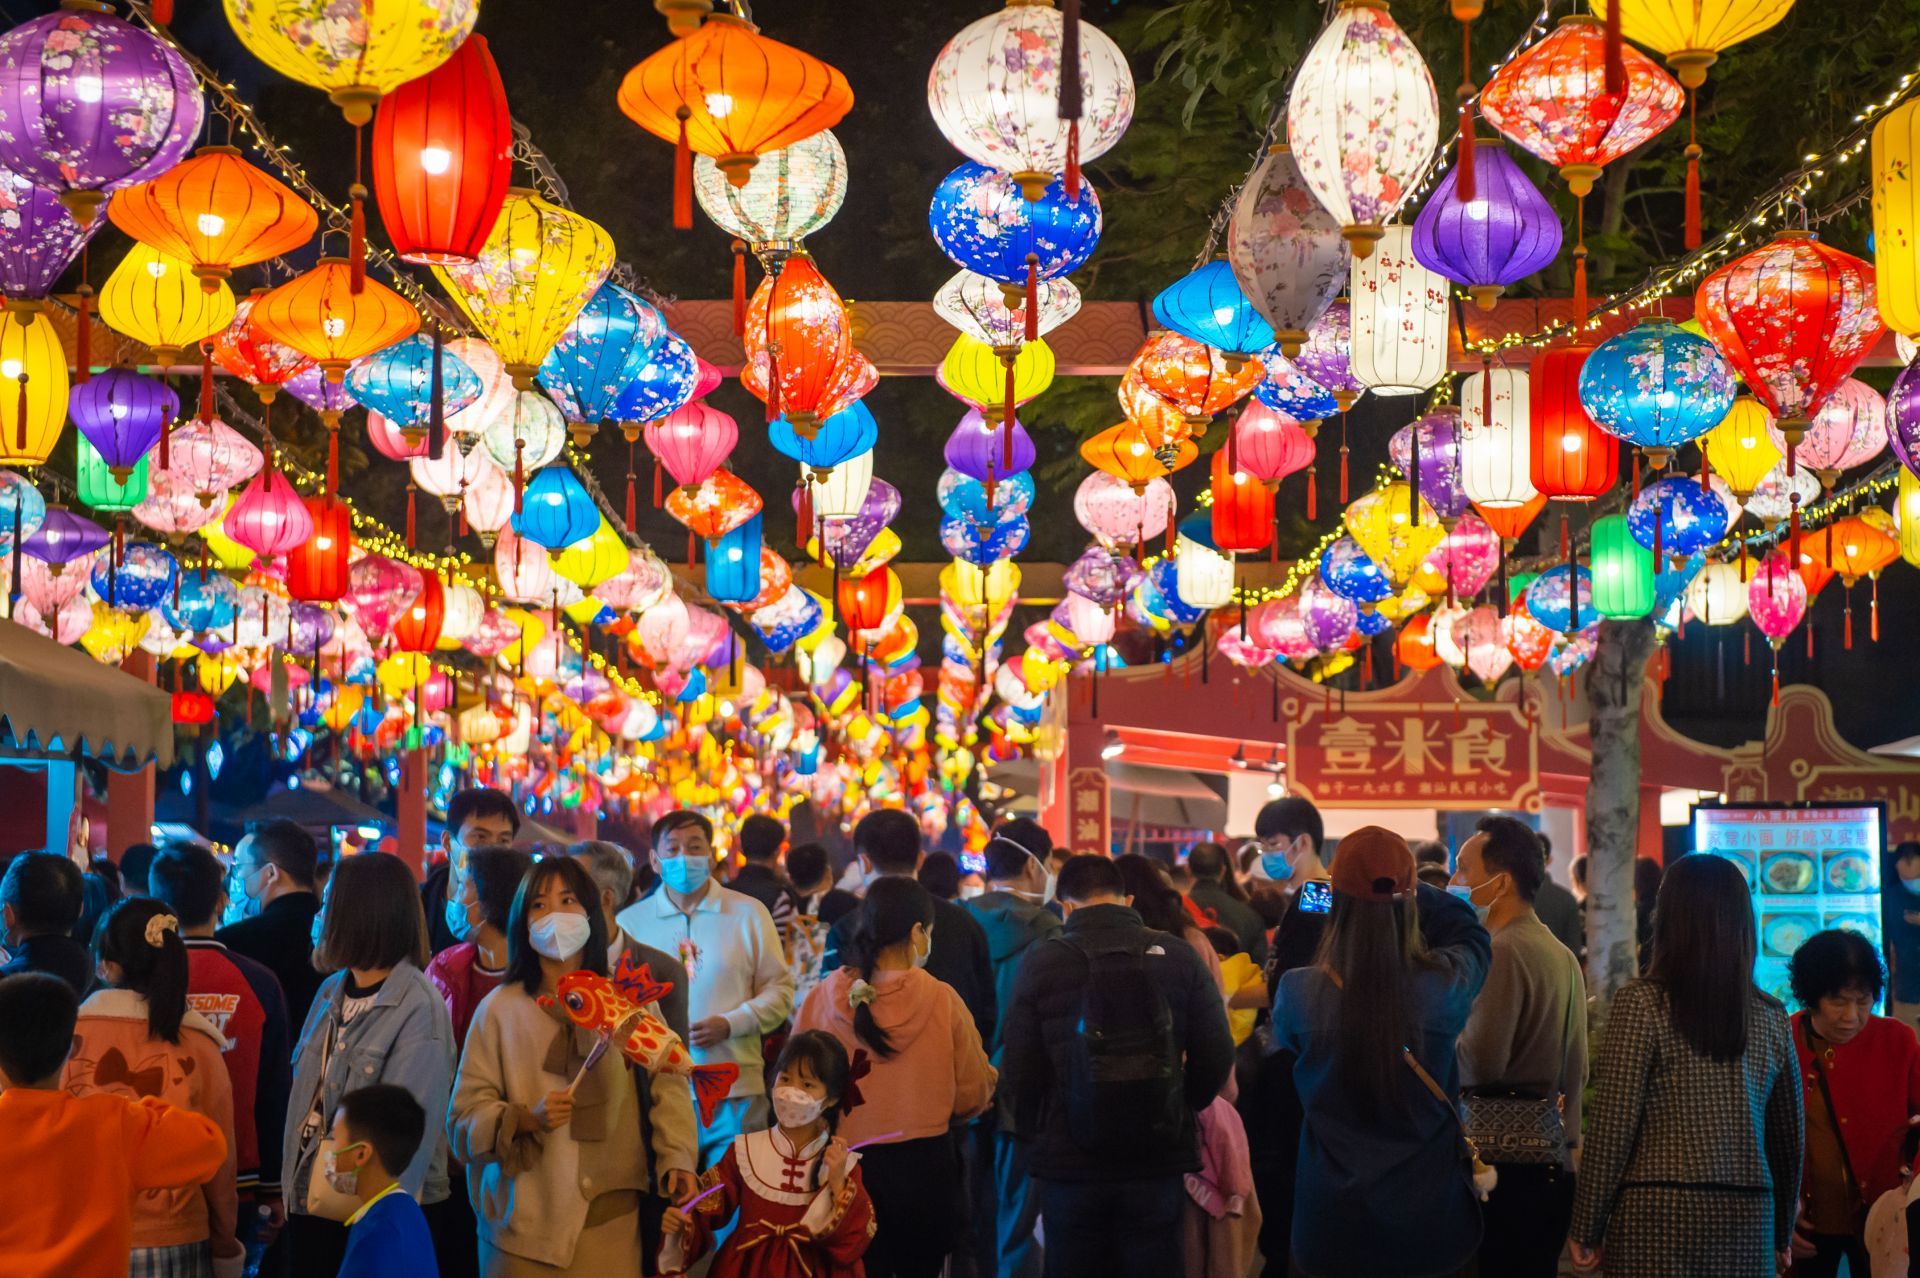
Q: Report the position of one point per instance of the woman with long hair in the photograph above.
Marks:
(1691, 1163)
(137, 1038)
(1383, 1188)
(557, 1159)
(929, 1072)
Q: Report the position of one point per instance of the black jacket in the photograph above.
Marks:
(761, 882)
(960, 958)
(1234, 915)
(1041, 1024)
(280, 937)
(433, 899)
(56, 954)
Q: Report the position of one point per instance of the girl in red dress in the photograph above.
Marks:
(803, 1212)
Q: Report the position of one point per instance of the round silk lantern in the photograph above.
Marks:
(38, 238)
(982, 221)
(33, 389)
(1110, 509)
(1741, 449)
(443, 157)
(1551, 603)
(788, 195)
(1285, 249)
(1347, 570)
(1505, 233)
(1327, 355)
(1673, 515)
(1428, 449)
(269, 517)
(692, 442)
(155, 300)
(215, 211)
(1383, 523)
(322, 316)
(600, 354)
(400, 382)
(799, 315)
(1209, 307)
(977, 306)
(392, 41)
(1850, 429)
(1269, 445)
(252, 356)
(556, 510)
(1776, 597)
(1656, 386)
(528, 434)
(1690, 34)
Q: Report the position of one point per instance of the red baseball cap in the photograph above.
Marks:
(1373, 864)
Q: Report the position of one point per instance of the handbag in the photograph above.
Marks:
(323, 1199)
(1512, 1126)
(1484, 1177)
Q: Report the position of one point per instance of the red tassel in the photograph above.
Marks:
(1033, 298)
(162, 12)
(683, 174)
(803, 516)
(1073, 162)
(206, 385)
(1313, 490)
(519, 472)
(1636, 474)
(739, 288)
(1659, 538)
(1746, 648)
(357, 242)
(1847, 629)
(1776, 679)
(773, 390)
(83, 336)
(1693, 153)
(1706, 472)
(1007, 420)
(1809, 641)
(1343, 459)
(631, 477)
(1580, 307)
(1463, 187)
(410, 519)
(333, 461)
(658, 500)
(166, 452)
(690, 547)
(1793, 554)
(1616, 55)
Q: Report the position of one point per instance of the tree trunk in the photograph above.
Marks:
(1613, 804)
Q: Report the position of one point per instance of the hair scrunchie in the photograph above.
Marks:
(860, 993)
(158, 926)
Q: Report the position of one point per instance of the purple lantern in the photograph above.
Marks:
(1325, 355)
(122, 414)
(847, 539)
(1505, 233)
(979, 449)
(1437, 466)
(90, 103)
(37, 239)
(1102, 576)
(1329, 617)
(309, 627)
(1903, 417)
(63, 538)
(330, 399)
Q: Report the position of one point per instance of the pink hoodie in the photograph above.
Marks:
(938, 1074)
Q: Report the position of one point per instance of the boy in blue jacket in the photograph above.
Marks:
(376, 1133)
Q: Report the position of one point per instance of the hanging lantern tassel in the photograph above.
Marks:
(1776, 672)
(632, 481)
(1343, 458)
(1006, 420)
(1313, 486)
(1463, 188)
(1846, 630)
(683, 174)
(803, 513)
(1636, 473)
(1070, 92)
(83, 332)
(739, 288)
(1616, 54)
(161, 11)
(357, 226)
(1033, 298)
(1809, 640)
(1693, 153)
(1793, 535)
(1580, 259)
(411, 491)
(519, 472)
(690, 548)
(437, 399)
(1873, 610)
(20, 416)
(1706, 472)
(990, 486)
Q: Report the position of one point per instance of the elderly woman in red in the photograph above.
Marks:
(1860, 1077)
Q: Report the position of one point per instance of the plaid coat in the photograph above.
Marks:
(1691, 1166)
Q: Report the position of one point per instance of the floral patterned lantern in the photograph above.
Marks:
(317, 570)
(1110, 509)
(1327, 616)
(1778, 494)
(998, 95)
(38, 239)
(205, 457)
(1427, 451)
(529, 434)
(1495, 412)
(1503, 233)
(1347, 571)
(443, 157)
(1485, 641)
(244, 351)
(788, 195)
(982, 221)
(321, 315)
(1327, 355)
(487, 504)
(1362, 119)
(1850, 429)
(93, 104)
(1399, 335)
(1197, 380)
(314, 388)
(1569, 457)
(722, 502)
(1674, 515)
(692, 442)
(1286, 249)
(400, 383)
(141, 579)
(215, 211)
(799, 344)
(975, 305)
(1208, 307)
(1395, 534)
(378, 590)
(1776, 600)
(1286, 389)
(1528, 640)
(1656, 386)
(1551, 602)
(1462, 562)
(599, 355)
(1794, 318)
(354, 63)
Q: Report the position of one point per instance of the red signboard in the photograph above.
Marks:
(1412, 754)
(1088, 825)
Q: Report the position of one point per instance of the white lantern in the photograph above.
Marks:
(995, 93)
(450, 476)
(844, 490)
(1203, 576)
(1448, 628)
(1092, 622)
(1717, 596)
(789, 194)
(464, 607)
(1399, 319)
(1363, 119)
(488, 502)
(977, 306)
(496, 391)
(1495, 438)
(1772, 500)
(1285, 249)
(523, 569)
(533, 420)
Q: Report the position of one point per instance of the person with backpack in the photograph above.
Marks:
(1116, 1038)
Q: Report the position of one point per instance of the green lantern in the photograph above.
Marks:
(99, 490)
(1622, 570)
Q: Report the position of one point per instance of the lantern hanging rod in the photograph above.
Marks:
(1770, 208)
(553, 188)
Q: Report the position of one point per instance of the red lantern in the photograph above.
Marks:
(1269, 445)
(798, 329)
(317, 569)
(1242, 508)
(721, 503)
(1571, 459)
(443, 157)
(1510, 521)
(1414, 644)
(863, 600)
(417, 628)
(192, 708)
(1196, 379)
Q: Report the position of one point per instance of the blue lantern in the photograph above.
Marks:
(1209, 307)
(1671, 582)
(397, 382)
(1286, 389)
(144, 576)
(1676, 516)
(205, 601)
(1656, 386)
(1157, 595)
(696, 686)
(1349, 573)
(22, 508)
(733, 564)
(787, 619)
(847, 433)
(964, 498)
(666, 381)
(556, 510)
(1548, 604)
(982, 546)
(981, 221)
(1371, 621)
(601, 353)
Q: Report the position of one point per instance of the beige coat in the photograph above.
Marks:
(531, 1191)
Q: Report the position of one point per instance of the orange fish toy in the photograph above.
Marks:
(616, 1008)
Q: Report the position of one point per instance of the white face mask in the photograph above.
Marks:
(795, 1107)
(920, 957)
(560, 936)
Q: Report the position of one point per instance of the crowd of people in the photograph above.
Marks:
(1289, 1057)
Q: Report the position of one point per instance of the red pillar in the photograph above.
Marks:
(1652, 839)
(410, 807)
(130, 794)
(1086, 794)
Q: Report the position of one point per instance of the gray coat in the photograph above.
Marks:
(405, 1039)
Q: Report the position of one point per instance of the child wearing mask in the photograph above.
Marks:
(802, 1207)
(376, 1133)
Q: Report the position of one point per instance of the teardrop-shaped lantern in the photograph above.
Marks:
(1286, 249)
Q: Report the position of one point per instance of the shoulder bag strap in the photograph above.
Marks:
(1833, 1115)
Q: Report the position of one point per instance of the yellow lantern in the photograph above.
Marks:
(229, 552)
(347, 700)
(114, 633)
(1896, 218)
(352, 60)
(971, 586)
(538, 268)
(594, 559)
(532, 630)
(1741, 448)
(977, 373)
(1383, 522)
(1690, 34)
(1906, 516)
(33, 376)
(216, 674)
(155, 300)
(403, 672)
(583, 610)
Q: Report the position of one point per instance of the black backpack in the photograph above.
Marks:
(1126, 1089)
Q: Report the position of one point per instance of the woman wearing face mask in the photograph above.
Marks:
(929, 1072)
(474, 965)
(556, 1168)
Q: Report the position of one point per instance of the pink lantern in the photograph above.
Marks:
(662, 630)
(670, 682)
(497, 393)
(709, 639)
(269, 518)
(524, 570)
(391, 442)
(176, 512)
(1242, 652)
(436, 694)
(449, 477)
(1279, 625)
(1487, 654)
(1109, 509)
(48, 589)
(1269, 445)
(1089, 621)
(1528, 640)
(644, 582)
(64, 624)
(1849, 430)
(488, 503)
(692, 441)
(1776, 597)
(1463, 562)
(378, 588)
(205, 457)
(494, 634)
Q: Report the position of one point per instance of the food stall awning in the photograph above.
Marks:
(316, 805)
(1164, 797)
(57, 701)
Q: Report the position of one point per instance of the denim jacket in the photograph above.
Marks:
(406, 1039)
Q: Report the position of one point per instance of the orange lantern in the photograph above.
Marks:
(863, 600)
(1242, 508)
(321, 316)
(1854, 547)
(1128, 454)
(1571, 458)
(1508, 522)
(719, 505)
(217, 212)
(1162, 421)
(243, 350)
(728, 92)
(799, 345)
(1193, 378)
(1414, 647)
(317, 569)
